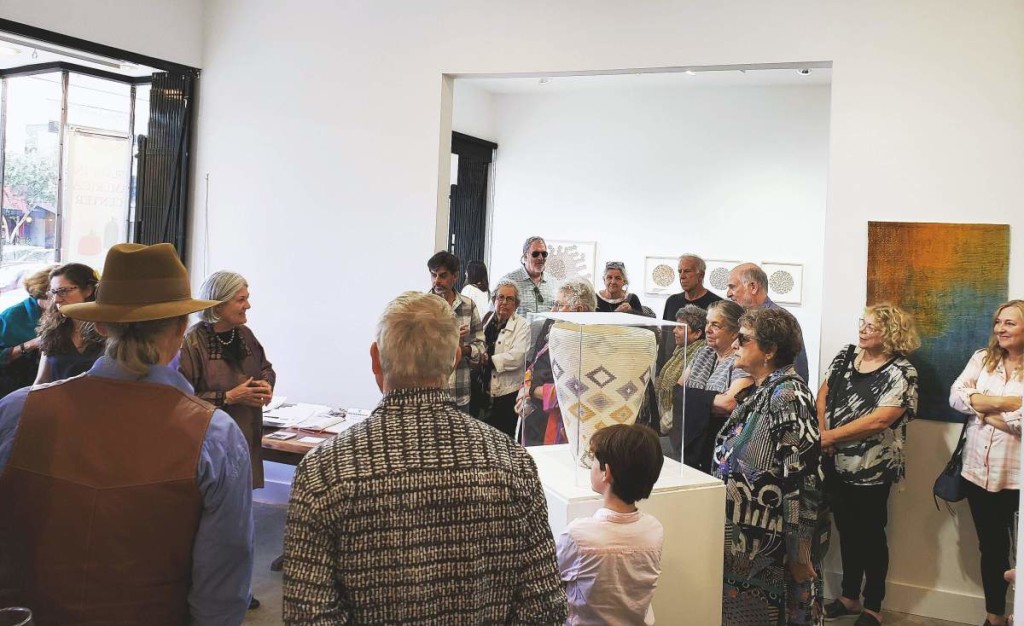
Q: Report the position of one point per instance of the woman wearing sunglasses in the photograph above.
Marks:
(614, 298)
(768, 454)
(868, 396)
(69, 347)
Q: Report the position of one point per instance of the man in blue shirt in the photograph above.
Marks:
(125, 497)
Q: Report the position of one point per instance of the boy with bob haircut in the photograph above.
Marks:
(610, 562)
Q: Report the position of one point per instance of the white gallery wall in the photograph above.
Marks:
(731, 173)
(171, 30)
(323, 126)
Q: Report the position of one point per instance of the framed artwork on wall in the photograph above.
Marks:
(716, 276)
(660, 277)
(568, 259)
(785, 282)
(920, 268)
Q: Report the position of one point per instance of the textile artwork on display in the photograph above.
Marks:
(716, 276)
(951, 278)
(601, 382)
(570, 259)
(660, 275)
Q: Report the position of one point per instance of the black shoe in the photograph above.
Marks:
(836, 609)
(867, 619)
(254, 603)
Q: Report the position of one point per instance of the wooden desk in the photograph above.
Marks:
(290, 451)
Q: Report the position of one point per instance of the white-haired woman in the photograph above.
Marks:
(537, 402)
(507, 337)
(614, 297)
(227, 365)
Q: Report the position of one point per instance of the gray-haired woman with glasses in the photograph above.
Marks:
(614, 298)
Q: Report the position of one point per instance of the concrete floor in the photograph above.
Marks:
(270, 520)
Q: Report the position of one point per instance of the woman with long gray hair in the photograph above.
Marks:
(227, 365)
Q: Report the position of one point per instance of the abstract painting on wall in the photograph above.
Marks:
(569, 259)
(785, 282)
(716, 276)
(660, 277)
(951, 278)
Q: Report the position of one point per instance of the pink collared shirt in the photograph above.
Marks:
(991, 457)
(610, 565)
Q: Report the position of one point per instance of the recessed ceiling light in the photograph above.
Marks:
(9, 50)
(803, 71)
(544, 80)
(691, 73)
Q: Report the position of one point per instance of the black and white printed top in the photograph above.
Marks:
(877, 459)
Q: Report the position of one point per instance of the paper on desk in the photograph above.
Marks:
(275, 402)
(297, 415)
(352, 417)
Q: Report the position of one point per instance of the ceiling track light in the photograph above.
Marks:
(10, 40)
(804, 71)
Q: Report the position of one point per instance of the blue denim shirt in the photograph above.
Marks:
(222, 555)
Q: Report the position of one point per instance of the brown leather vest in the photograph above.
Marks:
(99, 505)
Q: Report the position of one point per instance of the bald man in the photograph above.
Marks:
(748, 287)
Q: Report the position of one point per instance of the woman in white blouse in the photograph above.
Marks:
(503, 365)
(989, 391)
(476, 287)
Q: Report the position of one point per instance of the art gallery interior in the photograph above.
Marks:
(321, 164)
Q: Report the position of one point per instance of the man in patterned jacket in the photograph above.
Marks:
(421, 514)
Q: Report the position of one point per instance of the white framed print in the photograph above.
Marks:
(660, 277)
(569, 259)
(716, 276)
(785, 282)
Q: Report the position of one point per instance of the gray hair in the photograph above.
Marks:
(220, 286)
(417, 336)
(530, 241)
(701, 265)
(693, 316)
(752, 273)
(134, 344)
(504, 282)
(579, 294)
(731, 313)
(616, 265)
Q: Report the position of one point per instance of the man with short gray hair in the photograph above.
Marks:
(691, 279)
(748, 287)
(420, 514)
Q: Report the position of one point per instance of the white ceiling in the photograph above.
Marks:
(18, 51)
(725, 77)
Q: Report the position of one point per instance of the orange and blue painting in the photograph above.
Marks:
(951, 277)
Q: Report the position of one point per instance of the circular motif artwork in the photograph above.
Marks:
(781, 281)
(719, 278)
(566, 262)
(663, 275)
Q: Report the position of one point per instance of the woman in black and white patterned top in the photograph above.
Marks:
(868, 396)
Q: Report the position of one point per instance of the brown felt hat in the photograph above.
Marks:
(140, 283)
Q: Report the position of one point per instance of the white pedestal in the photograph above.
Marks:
(690, 506)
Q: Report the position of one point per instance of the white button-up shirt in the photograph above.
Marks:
(610, 564)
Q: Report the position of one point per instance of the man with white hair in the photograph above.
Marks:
(748, 287)
(691, 279)
(421, 514)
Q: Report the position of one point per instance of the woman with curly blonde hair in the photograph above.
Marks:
(989, 392)
(868, 396)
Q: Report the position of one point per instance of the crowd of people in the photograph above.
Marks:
(432, 511)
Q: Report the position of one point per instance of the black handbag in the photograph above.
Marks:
(949, 486)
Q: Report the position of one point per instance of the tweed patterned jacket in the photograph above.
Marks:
(420, 515)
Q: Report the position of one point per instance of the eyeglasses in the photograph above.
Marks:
(870, 328)
(743, 339)
(541, 253)
(504, 298)
(63, 291)
(614, 265)
(536, 292)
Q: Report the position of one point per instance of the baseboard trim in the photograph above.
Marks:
(953, 606)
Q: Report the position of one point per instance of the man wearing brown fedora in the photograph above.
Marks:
(123, 497)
